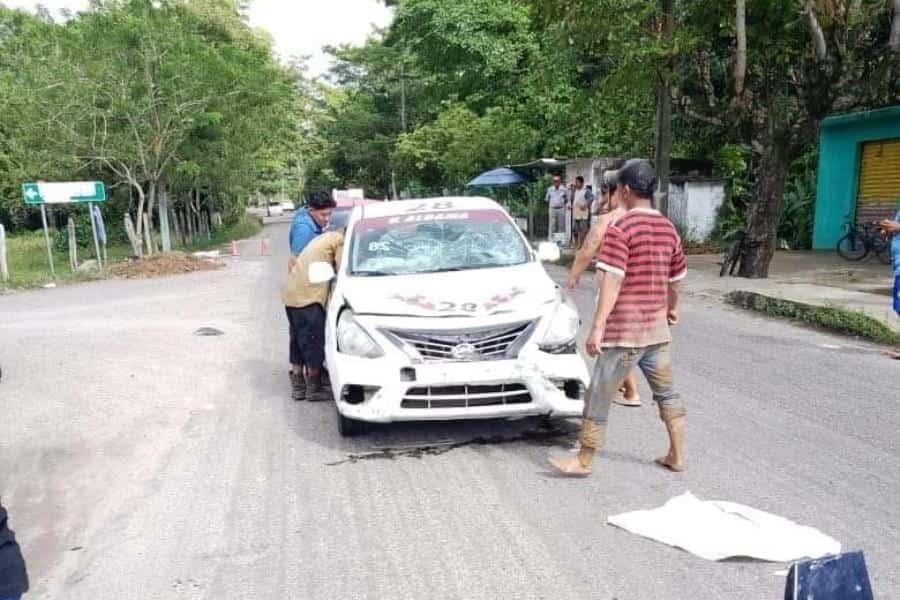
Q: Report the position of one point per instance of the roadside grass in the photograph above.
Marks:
(830, 318)
(29, 267)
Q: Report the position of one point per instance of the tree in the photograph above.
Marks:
(792, 63)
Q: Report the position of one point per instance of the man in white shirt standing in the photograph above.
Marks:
(557, 200)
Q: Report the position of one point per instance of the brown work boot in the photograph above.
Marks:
(674, 421)
(315, 391)
(298, 387)
(592, 438)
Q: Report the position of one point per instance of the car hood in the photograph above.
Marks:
(479, 292)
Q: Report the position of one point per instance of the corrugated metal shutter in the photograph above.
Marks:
(879, 181)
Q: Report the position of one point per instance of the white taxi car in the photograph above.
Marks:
(441, 310)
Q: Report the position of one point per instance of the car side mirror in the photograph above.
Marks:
(548, 252)
(321, 272)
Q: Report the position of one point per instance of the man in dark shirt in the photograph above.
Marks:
(13, 576)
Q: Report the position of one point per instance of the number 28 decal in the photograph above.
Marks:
(452, 307)
(428, 206)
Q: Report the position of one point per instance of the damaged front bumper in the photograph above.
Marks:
(394, 388)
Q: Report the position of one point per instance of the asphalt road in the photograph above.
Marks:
(141, 461)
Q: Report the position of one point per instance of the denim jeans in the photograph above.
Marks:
(12, 598)
(610, 370)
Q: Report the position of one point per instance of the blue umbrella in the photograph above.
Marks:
(499, 177)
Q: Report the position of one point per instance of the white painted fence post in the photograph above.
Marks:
(4, 268)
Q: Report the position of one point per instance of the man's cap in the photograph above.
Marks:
(639, 175)
(611, 177)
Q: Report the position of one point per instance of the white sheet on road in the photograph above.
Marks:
(718, 530)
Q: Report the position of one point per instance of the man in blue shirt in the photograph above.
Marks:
(311, 220)
(893, 227)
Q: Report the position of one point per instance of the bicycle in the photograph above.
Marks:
(732, 256)
(861, 240)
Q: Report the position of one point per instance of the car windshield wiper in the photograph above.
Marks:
(447, 270)
(372, 273)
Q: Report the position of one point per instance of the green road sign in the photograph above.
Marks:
(64, 192)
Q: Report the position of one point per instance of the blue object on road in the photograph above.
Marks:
(839, 577)
(500, 177)
(303, 229)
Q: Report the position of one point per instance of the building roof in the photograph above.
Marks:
(888, 113)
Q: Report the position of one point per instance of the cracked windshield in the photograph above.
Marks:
(436, 242)
(449, 299)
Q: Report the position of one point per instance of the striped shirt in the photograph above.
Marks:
(642, 247)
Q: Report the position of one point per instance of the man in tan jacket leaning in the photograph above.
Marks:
(305, 304)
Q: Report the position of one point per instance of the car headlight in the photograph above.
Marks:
(559, 337)
(352, 339)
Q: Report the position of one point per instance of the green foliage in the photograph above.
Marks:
(84, 234)
(459, 144)
(732, 163)
(830, 318)
(145, 93)
(795, 227)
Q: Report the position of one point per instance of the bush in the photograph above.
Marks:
(831, 318)
(84, 235)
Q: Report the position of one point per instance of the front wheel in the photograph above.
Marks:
(351, 427)
(852, 247)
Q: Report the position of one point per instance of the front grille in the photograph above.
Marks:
(465, 396)
(467, 345)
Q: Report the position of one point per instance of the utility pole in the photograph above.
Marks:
(664, 108)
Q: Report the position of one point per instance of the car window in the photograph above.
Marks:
(435, 242)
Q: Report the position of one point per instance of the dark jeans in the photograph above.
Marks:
(307, 328)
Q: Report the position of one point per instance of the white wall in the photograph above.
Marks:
(693, 206)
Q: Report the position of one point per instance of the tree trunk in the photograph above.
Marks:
(740, 53)
(139, 221)
(133, 237)
(895, 28)
(148, 235)
(73, 245)
(151, 205)
(762, 221)
(664, 112)
(164, 217)
(173, 217)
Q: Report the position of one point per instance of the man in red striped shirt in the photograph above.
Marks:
(642, 263)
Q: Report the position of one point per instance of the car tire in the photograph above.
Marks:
(350, 427)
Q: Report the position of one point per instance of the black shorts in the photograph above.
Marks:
(307, 327)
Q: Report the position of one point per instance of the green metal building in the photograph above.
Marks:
(859, 172)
